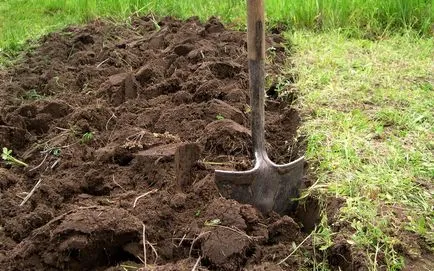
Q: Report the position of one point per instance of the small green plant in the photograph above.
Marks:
(420, 225)
(220, 117)
(86, 137)
(7, 156)
(322, 236)
(32, 95)
(197, 213)
(56, 152)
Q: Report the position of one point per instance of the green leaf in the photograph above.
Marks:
(197, 213)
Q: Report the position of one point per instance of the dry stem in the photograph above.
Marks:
(296, 248)
(182, 240)
(196, 264)
(31, 192)
(118, 183)
(112, 116)
(55, 163)
(153, 250)
(143, 195)
(196, 239)
(144, 245)
(104, 61)
(38, 166)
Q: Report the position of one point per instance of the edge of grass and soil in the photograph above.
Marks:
(367, 113)
(22, 20)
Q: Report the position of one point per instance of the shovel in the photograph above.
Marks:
(268, 187)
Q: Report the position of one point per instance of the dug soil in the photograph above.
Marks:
(99, 114)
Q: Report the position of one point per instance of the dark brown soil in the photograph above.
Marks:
(98, 112)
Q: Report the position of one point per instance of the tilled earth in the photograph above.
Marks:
(98, 113)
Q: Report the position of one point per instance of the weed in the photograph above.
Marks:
(323, 234)
(421, 226)
(7, 156)
(87, 137)
(282, 86)
(220, 117)
(56, 151)
(32, 95)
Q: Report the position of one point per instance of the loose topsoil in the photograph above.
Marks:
(98, 113)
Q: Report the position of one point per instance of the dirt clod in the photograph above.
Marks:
(225, 248)
(284, 230)
(227, 137)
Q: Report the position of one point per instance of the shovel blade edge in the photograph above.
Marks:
(268, 187)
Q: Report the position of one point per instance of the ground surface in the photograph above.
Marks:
(97, 112)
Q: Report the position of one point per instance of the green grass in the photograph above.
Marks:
(26, 19)
(369, 123)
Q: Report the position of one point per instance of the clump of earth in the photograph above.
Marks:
(98, 112)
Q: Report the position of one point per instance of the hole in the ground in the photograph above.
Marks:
(74, 253)
(206, 262)
(308, 214)
(123, 159)
(95, 185)
(99, 255)
(119, 255)
(250, 252)
(97, 190)
(272, 92)
(340, 255)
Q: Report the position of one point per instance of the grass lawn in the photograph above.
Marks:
(369, 123)
(367, 104)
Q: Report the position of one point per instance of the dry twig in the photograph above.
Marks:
(196, 264)
(153, 250)
(144, 245)
(38, 166)
(55, 163)
(296, 248)
(196, 239)
(31, 192)
(112, 116)
(118, 183)
(182, 240)
(104, 61)
(143, 195)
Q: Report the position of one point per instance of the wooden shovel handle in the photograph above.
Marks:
(256, 56)
(255, 29)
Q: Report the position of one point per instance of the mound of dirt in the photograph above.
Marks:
(99, 112)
